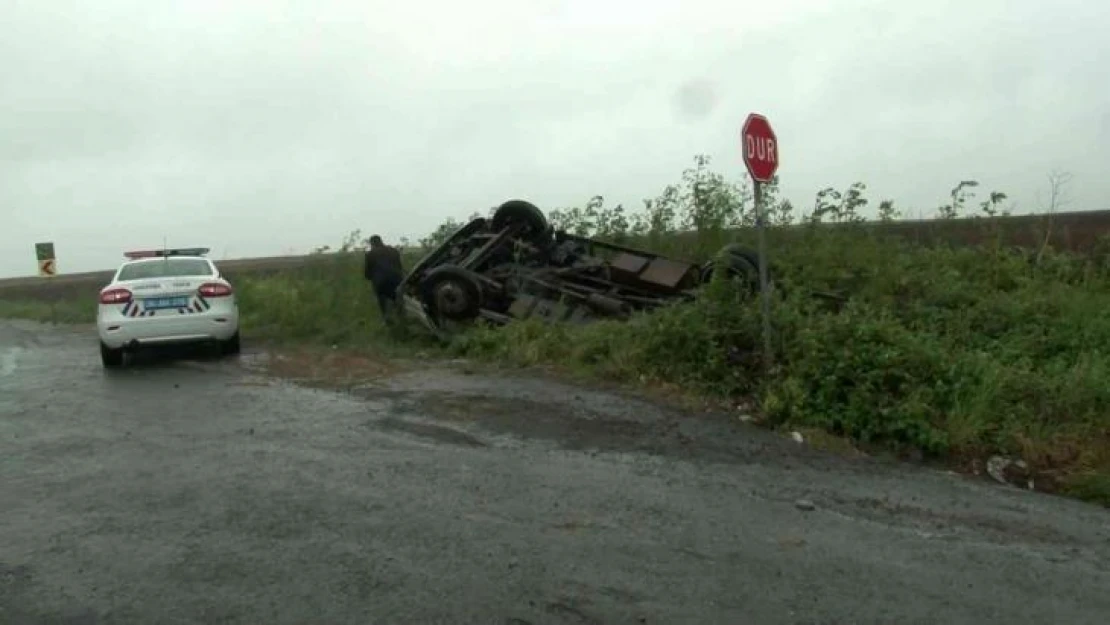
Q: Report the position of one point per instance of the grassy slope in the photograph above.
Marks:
(959, 353)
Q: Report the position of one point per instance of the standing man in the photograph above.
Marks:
(382, 267)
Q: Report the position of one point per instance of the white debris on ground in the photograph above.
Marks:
(1010, 472)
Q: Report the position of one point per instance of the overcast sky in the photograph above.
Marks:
(269, 126)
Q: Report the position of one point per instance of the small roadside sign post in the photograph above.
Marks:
(44, 254)
(760, 149)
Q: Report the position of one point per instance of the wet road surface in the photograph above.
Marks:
(185, 491)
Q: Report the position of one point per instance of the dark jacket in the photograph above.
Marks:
(382, 266)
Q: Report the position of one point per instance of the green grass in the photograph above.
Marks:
(327, 302)
(958, 352)
(65, 311)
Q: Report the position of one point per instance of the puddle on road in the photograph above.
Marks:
(318, 367)
(8, 360)
(570, 425)
(431, 431)
(458, 403)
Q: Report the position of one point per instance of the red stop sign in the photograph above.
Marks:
(760, 148)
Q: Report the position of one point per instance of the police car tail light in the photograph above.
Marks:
(214, 289)
(115, 296)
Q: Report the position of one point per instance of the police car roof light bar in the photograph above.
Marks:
(182, 251)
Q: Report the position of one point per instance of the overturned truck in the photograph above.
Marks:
(514, 265)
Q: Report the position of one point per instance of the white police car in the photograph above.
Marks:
(164, 297)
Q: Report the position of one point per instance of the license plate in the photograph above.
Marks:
(166, 302)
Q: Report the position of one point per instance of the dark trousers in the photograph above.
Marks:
(386, 292)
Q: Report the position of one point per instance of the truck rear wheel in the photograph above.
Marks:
(536, 230)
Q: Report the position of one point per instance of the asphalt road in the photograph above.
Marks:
(193, 491)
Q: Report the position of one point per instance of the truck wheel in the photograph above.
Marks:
(452, 293)
(737, 263)
(536, 229)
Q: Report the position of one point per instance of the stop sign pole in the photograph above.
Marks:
(760, 148)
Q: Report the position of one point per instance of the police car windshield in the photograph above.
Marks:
(165, 268)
